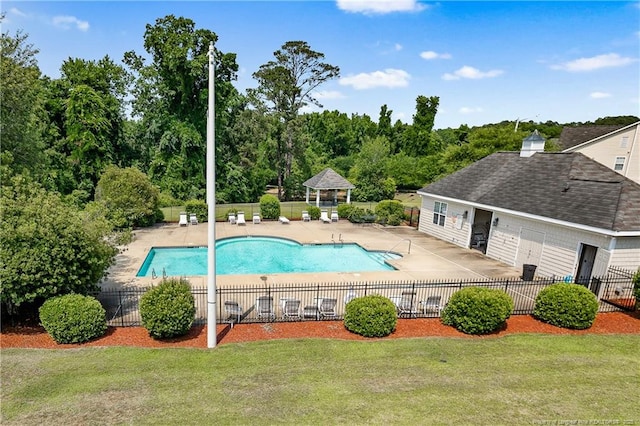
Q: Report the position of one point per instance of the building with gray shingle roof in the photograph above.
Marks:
(328, 180)
(563, 212)
(617, 147)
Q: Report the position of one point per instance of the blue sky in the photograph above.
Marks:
(486, 61)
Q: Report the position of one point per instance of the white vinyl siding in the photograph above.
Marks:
(626, 253)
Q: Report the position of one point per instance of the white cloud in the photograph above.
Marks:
(596, 62)
(599, 95)
(17, 12)
(471, 73)
(65, 22)
(470, 110)
(430, 54)
(398, 47)
(379, 7)
(387, 78)
(328, 94)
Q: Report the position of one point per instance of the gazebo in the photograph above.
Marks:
(328, 180)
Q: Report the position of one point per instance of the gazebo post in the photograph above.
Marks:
(348, 196)
(317, 198)
(307, 195)
(335, 197)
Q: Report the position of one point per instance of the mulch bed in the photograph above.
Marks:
(36, 337)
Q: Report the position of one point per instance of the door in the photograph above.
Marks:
(530, 248)
(585, 264)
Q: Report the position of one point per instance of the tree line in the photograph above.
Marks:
(149, 111)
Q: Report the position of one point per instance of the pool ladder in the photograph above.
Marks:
(386, 253)
(340, 240)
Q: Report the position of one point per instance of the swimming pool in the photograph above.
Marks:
(264, 255)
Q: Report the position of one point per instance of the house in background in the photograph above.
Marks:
(617, 147)
(566, 214)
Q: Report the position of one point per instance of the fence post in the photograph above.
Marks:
(121, 309)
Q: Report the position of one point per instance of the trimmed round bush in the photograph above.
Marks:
(478, 310)
(370, 316)
(566, 305)
(73, 318)
(390, 212)
(269, 206)
(168, 310)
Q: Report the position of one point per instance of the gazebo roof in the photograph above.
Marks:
(328, 179)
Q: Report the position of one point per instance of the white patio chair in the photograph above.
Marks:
(432, 304)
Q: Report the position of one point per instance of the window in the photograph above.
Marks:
(619, 165)
(439, 213)
(624, 141)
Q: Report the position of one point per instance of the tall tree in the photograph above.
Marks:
(285, 85)
(84, 132)
(419, 142)
(20, 104)
(369, 173)
(171, 95)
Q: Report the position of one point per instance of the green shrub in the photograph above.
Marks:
(370, 316)
(360, 215)
(566, 305)
(198, 207)
(314, 212)
(269, 206)
(477, 310)
(344, 210)
(129, 197)
(636, 285)
(168, 310)
(73, 318)
(165, 199)
(390, 212)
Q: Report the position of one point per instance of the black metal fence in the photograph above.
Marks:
(414, 299)
(617, 288)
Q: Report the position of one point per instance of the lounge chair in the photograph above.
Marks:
(324, 217)
(334, 216)
(432, 304)
(232, 218)
(264, 307)
(328, 308)
(305, 216)
(406, 305)
(350, 296)
(291, 309)
(240, 220)
(193, 219)
(234, 310)
(183, 219)
(283, 220)
(256, 218)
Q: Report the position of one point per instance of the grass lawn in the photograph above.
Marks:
(518, 379)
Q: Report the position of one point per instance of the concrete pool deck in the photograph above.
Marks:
(423, 257)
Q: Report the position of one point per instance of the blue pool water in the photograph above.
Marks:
(264, 255)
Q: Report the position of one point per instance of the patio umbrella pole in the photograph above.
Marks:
(211, 211)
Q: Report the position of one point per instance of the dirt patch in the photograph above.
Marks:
(36, 337)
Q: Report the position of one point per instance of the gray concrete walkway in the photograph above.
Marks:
(423, 257)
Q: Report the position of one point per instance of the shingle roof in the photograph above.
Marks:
(328, 179)
(572, 136)
(563, 186)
